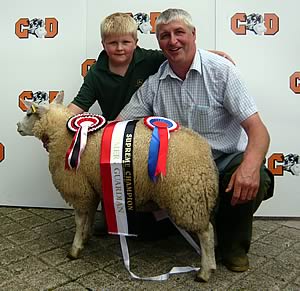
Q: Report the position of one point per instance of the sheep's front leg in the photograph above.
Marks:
(208, 261)
(82, 233)
(84, 222)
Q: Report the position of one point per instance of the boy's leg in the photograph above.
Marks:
(234, 223)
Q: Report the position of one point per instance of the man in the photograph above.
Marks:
(203, 91)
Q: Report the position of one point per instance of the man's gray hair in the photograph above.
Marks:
(173, 14)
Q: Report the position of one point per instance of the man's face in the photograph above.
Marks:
(177, 41)
(119, 48)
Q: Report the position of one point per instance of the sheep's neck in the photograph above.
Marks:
(51, 126)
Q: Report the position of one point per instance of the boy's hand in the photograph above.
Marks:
(223, 54)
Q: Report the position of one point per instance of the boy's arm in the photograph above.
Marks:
(75, 109)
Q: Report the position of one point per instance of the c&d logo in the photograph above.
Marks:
(278, 163)
(295, 82)
(2, 151)
(85, 66)
(38, 97)
(145, 22)
(267, 24)
(38, 27)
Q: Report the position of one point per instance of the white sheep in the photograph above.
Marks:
(188, 192)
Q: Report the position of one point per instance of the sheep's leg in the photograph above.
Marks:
(208, 261)
(81, 234)
(84, 222)
(91, 219)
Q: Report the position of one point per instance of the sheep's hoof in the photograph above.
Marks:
(200, 277)
(73, 254)
(69, 256)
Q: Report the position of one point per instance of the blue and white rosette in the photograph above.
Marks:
(158, 150)
(81, 124)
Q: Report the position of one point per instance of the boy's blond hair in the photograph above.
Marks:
(118, 24)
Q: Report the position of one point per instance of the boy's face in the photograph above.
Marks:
(119, 48)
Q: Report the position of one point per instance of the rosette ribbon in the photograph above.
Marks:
(81, 124)
(158, 150)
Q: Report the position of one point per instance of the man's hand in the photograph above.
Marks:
(245, 183)
(245, 180)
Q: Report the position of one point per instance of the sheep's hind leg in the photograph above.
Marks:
(82, 228)
(91, 219)
(208, 262)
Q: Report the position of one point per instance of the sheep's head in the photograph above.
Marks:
(34, 113)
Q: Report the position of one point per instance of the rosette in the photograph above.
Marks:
(158, 150)
(81, 124)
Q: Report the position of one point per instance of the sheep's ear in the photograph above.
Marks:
(27, 103)
(33, 107)
(59, 97)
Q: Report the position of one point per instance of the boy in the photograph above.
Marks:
(120, 70)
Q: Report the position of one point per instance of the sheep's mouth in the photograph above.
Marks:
(21, 132)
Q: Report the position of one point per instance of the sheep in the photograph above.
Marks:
(188, 192)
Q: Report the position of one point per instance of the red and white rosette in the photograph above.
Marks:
(81, 124)
(158, 150)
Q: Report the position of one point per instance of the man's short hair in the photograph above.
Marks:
(173, 14)
(118, 24)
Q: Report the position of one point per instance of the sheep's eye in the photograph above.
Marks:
(28, 114)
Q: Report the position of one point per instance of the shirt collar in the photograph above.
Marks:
(196, 66)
